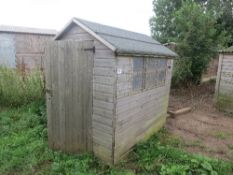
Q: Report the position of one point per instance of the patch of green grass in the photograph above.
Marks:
(159, 157)
(230, 146)
(24, 150)
(220, 135)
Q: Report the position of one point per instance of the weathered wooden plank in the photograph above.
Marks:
(101, 127)
(101, 119)
(104, 71)
(103, 88)
(103, 80)
(48, 85)
(103, 96)
(101, 140)
(104, 63)
(100, 53)
(102, 104)
(103, 112)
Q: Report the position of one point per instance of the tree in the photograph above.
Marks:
(162, 24)
(196, 37)
(194, 28)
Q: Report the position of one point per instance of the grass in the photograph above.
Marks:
(24, 147)
(24, 150)
(20, 88)
(220, 135)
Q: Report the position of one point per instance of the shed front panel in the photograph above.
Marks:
(69, 66)
(104, 81)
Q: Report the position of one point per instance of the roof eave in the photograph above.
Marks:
(154, 55)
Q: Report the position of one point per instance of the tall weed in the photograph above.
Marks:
(17, 89)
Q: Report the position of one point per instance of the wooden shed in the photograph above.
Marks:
(23, 47)
(107, 89)
(224, 82)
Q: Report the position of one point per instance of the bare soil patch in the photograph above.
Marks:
(205, 129)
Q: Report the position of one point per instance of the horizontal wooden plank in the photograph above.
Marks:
(103, 104)
(103, 120)
(104, 63)
(103, 96)
(102, 53)
(109, 72)
(143, 96)
(102, 138)
(104, 79)
(101, 127)
(103, 88)
(103, 112)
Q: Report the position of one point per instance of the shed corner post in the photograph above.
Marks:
(114, 110)
(218, 79)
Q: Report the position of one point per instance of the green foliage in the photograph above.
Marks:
(16, 89)
(24, 150)
(194, 26)
(162, 24)
(24, 147)
(196, 38)
(156, 156)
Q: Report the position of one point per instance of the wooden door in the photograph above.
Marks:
(69, 74)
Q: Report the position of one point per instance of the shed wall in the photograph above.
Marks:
(24, 51)
(103, 92)
(224, 83)
(140, 114)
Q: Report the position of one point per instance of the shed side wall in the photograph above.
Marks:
(24, 51)
(137, 115)
(103, 92)
(225, 87)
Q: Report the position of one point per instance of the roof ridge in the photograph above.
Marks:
(80, 20)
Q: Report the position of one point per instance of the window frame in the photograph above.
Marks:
(160, 65)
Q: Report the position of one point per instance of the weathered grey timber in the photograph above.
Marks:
(23, 47)
(69, 97)
(121, 113)
(224, 81)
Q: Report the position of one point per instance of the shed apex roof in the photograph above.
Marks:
(17, 29)
(227, 50)
(123, 41)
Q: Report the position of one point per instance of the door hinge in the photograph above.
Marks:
(90, 49)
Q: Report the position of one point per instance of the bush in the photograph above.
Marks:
(17, 89)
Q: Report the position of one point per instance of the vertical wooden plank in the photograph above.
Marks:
(77, 124)
(48, 92)
(89, 92)
(218, 79)
(55, 93)
(61, 87)
(69, 73)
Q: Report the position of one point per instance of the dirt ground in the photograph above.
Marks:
(204, 130)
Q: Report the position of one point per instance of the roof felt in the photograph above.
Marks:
(127, 42)
(14, 29)
(227, 50)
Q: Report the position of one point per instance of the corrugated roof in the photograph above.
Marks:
(16, 29)
(127, 42)
(227, 50)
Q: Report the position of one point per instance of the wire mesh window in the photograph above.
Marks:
(148, 73)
